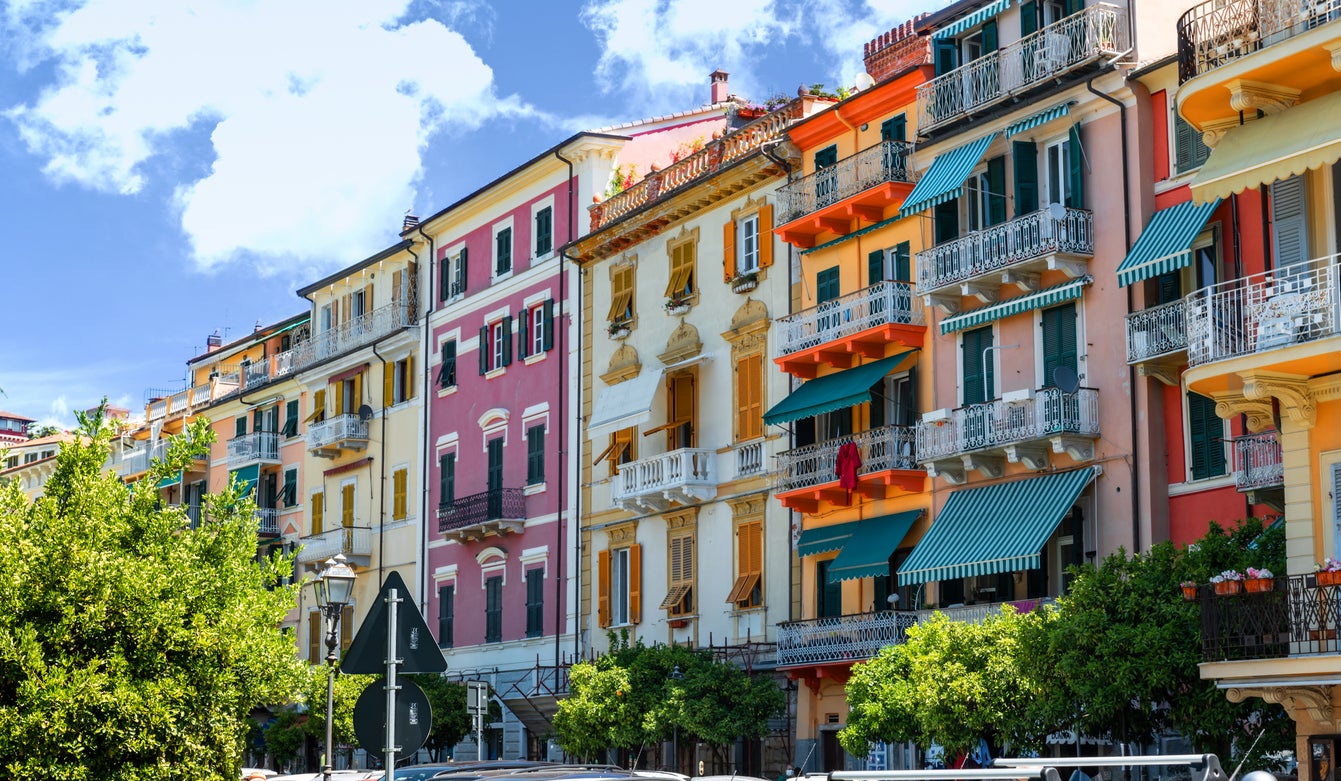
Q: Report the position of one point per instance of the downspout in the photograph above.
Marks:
(429, 295)
(560, 590)
(381, 505)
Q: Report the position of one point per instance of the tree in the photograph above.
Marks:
(131, 645)
(451, 722)
(39, 430)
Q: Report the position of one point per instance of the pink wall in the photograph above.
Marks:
(655, 146)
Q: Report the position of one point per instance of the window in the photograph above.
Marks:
(622, 449)
(535, 455)
(747, 241)
(619, 592)
(621, 294)
(1206, 437)
(681, 411)
(535, 602)
(503, 252)
(1063, 169)
(682, 278)
(747, 259)
(318, 512)
(493, 609)
(327, 318)
(1289, 221)
(544, 231)
(447, 373)
(679, 599)
(347, 505)
(348, 393)
(978, 383)
(452, 276)
(828, 596)
(749, 398)
(240, 426)
(748, 589)
(827, 285)
(894, 401)
(446, 614)
(446, 480)
(985, 196)
(289, 494)
(894, 129)
(1059, 342)
(318, 407)
(315, 630)
(495, 345)
(1189, 151)
(398, 381)
(399, 490)
(290, 418)
(535, 329)
(892, 264)
(358, 303)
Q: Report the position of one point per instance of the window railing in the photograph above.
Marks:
(267, 519)
(883, 303)
(1035, 59)
(1024, 238)
(1278, 308)
(1258, 461)
(256, 446)
(1297, 615)
(133, 462)
(998, 423)
(886, 162)
(349, 540)
(355, 332)
(1157, 331)
(1219, 32)
(883, 448)
(655, 475)
(336, 429)
(496, 505)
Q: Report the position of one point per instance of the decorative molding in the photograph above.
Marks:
(682, 345)
(1078, 448)
(989, 465)
(1214, 130)
(950, 471)
(750, 206)
(1334, 49)
(686, 519)
(624, 365)
(1325, 388)
(985, 290)
(1166, 373)
(622, 535)
(1027, 282)
(1251, 96)
(1031, 456)
(1291, 390)
(748, 507)
(1314, 700)
(1258, 412)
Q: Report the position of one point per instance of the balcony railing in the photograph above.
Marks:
(497, 505)
(1036, 59)
(1278, 308)
(886, 162)
(1155, 332)
(749, 458)
(334, 431)
(355, 332)
(883, 303)
(1258, 462)
(991, 249)
(1219, 32)
(884, 448)
(256, 446)
(996, 424)
(685, 475)
(267, 519)
(349, 540)
(139, 459)
(1297, 616)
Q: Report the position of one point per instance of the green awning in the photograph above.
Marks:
(1067, 291)
(994, 529)
(833, 391)
(170, 480)
(972, 20)
(866, 553)
(247, 477)
(825, 538)
(1042, 117)
(946, 176)
(1166, 243)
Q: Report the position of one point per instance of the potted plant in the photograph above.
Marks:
(743, 283)
(1259, 580)
(677, 304)
(1227, 582)
(1329, 572)
(1189, 590)
(618, 329)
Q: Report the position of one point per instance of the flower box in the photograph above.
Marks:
(1259, 585)
(1228, 587)
(679, 623)
(678, 309)
(744, 286)
(1322, 634)
(1190, 593)
(620, 333)
(1328, 577)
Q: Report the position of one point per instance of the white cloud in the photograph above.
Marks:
(317, 113)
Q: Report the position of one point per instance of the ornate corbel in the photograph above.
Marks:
(1290, 390)
(1245, 95)
(1313, 700)
(1258, 412)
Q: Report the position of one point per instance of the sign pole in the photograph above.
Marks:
(392, 602)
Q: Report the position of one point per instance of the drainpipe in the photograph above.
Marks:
(429, 294)
(381, 505)
(561, 340)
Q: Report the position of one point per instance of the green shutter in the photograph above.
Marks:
(946, 56)
(446, 479)
(240, 425)
(894, 129)
(507, 340)
(878, 403)
(1170, 287)
(1205, 432)
(977, 388)
(830, 594)
(1075, 160)
(444, 279)
(535, 455)
(903, 268)
(1059, 341)
(544, 231)
(996, 190)
(1028, 18)
(945, 219)
(827, 285)
(989, 36)
(1025, 159)
(549, 325)
(523, 333)
(484, 349)
(908, 399)
(875, 267)
(464, 272)
(1071, 7)
(447, 374)
(826, 157)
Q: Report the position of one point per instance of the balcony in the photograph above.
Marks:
(1259, 468)
(808, 475)
(860, 323)
(495, 513)
(1020, 427)
(652, 484)
(272, 367)
(354, 333)
(1222, 32)
(355, 542)
(1157, 341)
(1297, 616)
(1036, 62)
(1012, 253)
(257, 447)
(267, 519)
(858, 187)
(748, 458)
(136, 461)
(331, 437)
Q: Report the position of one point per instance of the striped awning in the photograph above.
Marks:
(1166, 243)
(247, 477)
(994, 529)
(866, 553)
(1042, 117)
(946, 176)
(1056, 294)
(972, 20)
(824, 538)
(833, 391)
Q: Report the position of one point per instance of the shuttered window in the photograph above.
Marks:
(828, 596)
(621, 295)
(446, 615)
(535, 602)
(1289, 223)
(503, 251)
(544, 231)
(290, 492)
(347, 505)
(996, 190)
(894, 129)
(535, 455)
(1189, 151)
(291, 418)
(493, 609)
(399, 490)
(977, 388)
(679, 599)
(827, 285)
(1205, 438)
(1024, 156)
(240, 426)
(1335, 485)
(1075, 173)
(447, 373)
(1059, 341)
(446, 480)
(682, 278)
(1028, 18)
(749, 398)
(314, 637)
(346, 628)
(747, 591)
(318, 512)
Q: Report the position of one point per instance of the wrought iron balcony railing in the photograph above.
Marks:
(1024, 238)
(685, 475)
(1036, 59)
(256, 446)
(267, 519)
(883, 303)
(1258, 461)
(139, 459)
(355, 332)
(883, 448)
(333, 431)
(997, 424)
(349, 540)
(496, 505)
(1156, 332)
(1218, 32)
(1297, 616)
(885, 162)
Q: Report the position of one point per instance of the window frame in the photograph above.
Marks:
(620, 580)
(447, 367)
(681, 599)
(1189, 469)
(1062, 146)
(446, 615)
(504, 244)
(747, 241)
(400, 493)
(682, 268)
(535, 454)
(493, 608)
(545, 208)
(534, 579)
(446, 479)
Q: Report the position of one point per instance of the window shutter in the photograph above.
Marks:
(603, 588)
(358, 393)
(875, 267)
(729, 250)
(1169, 287)
(1205, 431)
(635, 583)
(1076, 169)
(318, 406)
(398, 480)
(318, 512)
(484, 349)
(765, 238)
(388, 384)
(894, 129)
(409, 376)
(996, 190)
(878, 403)
(446, 609)
(240, 425)
(1025, 159)
(291, 418)
(1336, 501)
(827, 285)
(523, 328)
(444, 278)
(989, 36)
(903, 262)
(946, 56)
(544, 230)
(548, 315)
(977, 387)
(335, 312)
(463, 270)
(314, 632)
(507, 340)
(749, 405)
(1028, 18)
(346, 627)
(347, 506)
(1071, 7)
(447, 377)
(1289, 224)
(1059, 341)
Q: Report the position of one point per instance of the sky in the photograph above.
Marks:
(171, 168)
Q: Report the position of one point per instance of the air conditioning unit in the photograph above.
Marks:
(1022, 396)
(937, 415)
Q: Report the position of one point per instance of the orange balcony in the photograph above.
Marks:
(808, 475)
(862, 186)
(862, 323)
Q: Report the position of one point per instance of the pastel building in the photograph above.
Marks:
(31, 462)
(13, 428)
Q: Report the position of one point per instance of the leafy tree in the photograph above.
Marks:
(39, 430)
(131, 645)
(451, 722)
(286, 736)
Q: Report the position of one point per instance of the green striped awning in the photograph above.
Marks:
(1166, 243)
(824, 538)
(946, 176)
(1056, 294)
(994, 529)
(976, 18)
(866, 553)
(247, 477)
(1031, 122)
(833, 391)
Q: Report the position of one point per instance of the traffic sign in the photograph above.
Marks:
(414, 717)
(414, 643)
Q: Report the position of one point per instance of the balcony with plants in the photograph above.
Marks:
(862, 323)
(809, 475)
(494, 513)
(866, 186)
(334, 436)
(1284, 616)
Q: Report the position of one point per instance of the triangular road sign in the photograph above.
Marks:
(414, 643)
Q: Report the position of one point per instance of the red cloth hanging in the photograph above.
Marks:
(847, 465)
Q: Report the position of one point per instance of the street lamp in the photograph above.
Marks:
(675, 675)
(335, 586)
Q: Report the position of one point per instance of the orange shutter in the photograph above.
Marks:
(635, 584)
(367, 298)
(347, 505)
(396, 286)
(335, 312)
(314, 637)
(358, 392)
(388, 384)
(337, 390)
(318, 512)
(750, 404)
(603, 588)
(766, 235)
(409, 376)
(729, 250)
(756, 536)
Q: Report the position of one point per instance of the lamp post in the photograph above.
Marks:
(335, 587)
(675, 675)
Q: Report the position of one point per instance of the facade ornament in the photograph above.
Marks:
(1258, 412)
(1252, 96)
(1290, 390)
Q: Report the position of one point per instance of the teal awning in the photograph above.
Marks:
(1166, 243)
(1056, 294)
(946, 176)
(972, 20)
(1042, 117)
(824, 539)
(866, 553)
(994, 529)
(247, 477)
(170, 480)
(833, 391)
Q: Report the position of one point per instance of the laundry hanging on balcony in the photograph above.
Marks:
(832, 391)
(944, 180)
(1166, 243)
(847, 465)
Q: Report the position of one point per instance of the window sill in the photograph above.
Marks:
(533, 359)
(1195, 486)
(542, 257)
(445, 392)
(492, 373)
(500, 276)
(533, 489)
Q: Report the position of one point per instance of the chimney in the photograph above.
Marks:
(720, 90)
(213, 342)
(897, 51)
(411, 222)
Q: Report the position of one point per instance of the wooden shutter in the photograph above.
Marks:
(409, 381)
(603, 588)
(989, 36)
(1289, 233)
(827, 285)
(347, 505)
(945, 221)
(1025, 158)
(388, 384)
(464, 269)
(729, 250)
(397, 285)
(1028, 18)
(1075, 163)
(1205, 435)
(749, 401)
(318, 512)
(444, 278)
(367, 298)
(1059, 341)
(996, 190)
(1335, 485)
(548, 314)
(346, 627)
(447, 375)
(903, 262)
(240, 425)
(314, 632)
(523, 329)
(635, 583)
(764, 240)
(358, 393)
(335, 312)
(945, 55)
(484, 349)
(977, 388)
(875, 267)
(507, 340)
(398, 491)
(1070, 7)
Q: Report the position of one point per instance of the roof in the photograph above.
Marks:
(15, 416)
(707, 109)
(359, 266)
(949, 13)
(63, 436)
(253, 336)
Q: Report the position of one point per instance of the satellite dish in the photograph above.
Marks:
(1259, 775)
(365, 412)
(864, 80)
(1057, 211)
(1064, 377)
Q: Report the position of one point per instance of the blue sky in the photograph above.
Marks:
(173, 167)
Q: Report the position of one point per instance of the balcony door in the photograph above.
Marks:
(495, 478)
(826, 176)
(682, 398)
(828, 596)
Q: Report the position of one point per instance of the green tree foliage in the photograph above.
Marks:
(131, 645)
(451, 722)
(39, 430)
